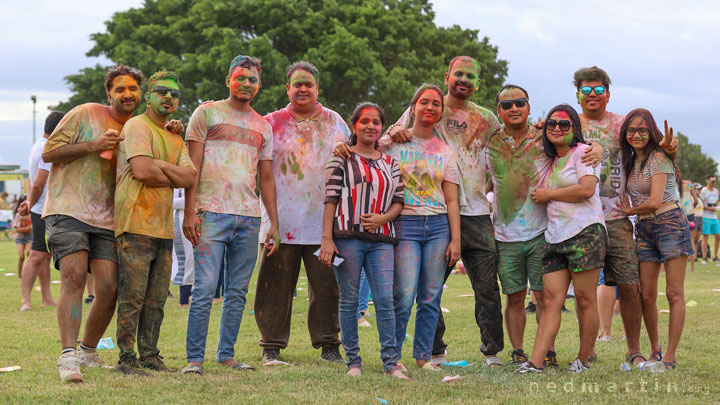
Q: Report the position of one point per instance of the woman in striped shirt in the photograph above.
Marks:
(363, 195)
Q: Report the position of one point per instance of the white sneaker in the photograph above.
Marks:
(90, 359)
(69, 369)
(577, 366)
(439, 361)
(604, 339)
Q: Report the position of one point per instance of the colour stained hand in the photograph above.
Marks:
(341, 150)
(191, 227)
(175, 126)
(272, 240)
(327, 251)
(540, 124)
(669, 142)
(109, 140)
(540, 195)
(593, 155)
(372, 221)
(400, 134)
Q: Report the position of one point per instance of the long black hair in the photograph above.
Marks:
(20, 201)
(420, 90)
(629, 154)
(548, 147)
(355, 117)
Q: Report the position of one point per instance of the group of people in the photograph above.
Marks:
(402, 205)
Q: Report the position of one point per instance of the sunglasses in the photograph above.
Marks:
(163, 91)
(564, 125)
(641, 131)
(586, 90)
(519, 103)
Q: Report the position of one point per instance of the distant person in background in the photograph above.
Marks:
(3, 201)
(688, 201)
(5, 223)
(697, 232)
(38, 262)
(183, 262)
(711, 225)
(23, 235)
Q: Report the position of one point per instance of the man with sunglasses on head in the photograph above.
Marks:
(152, 161)
(230, 144)
(710, 223)
(517, 164)
(621, 263)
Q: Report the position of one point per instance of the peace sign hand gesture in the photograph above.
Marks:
(669, 142)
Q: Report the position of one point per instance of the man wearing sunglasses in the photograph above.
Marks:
(230, 144)
(152, 161)
(517, 163)
(621, 265)
(466, 127)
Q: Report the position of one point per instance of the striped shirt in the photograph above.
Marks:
(363, 186)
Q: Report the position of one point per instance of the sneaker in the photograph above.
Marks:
(529, 368)
(439, 361)
(69, 369)
(90, 359)
(605, 338)
(89, 299)
(270, 355)
(155, 363)
(577, 366)
(531, 308)
(550, 359)
(331, 354)
(131, 367)
(518, 356)
(567, 311)
(703, 261)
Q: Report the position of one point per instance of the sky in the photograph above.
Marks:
(660, 55)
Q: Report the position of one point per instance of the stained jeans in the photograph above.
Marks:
(364, 294)
(144, 267)
(377, 260)
(221, 234)
(419, 268)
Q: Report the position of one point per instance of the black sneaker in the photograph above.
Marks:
(550, 359)
(131, 367)
(567, 311)
(529, 368)
(270, 355)
(531, 308)
(518, 356)
(89, 299)
(331, 354)
(715, 259)
(155, 363)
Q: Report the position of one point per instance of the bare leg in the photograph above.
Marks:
(555, 286)
(585, 283)
(90, 285)
(21, 259)
(103, 308)
(717, 244)
(631, 310)
(73, 273)
(515, 318)
(705, 246)
(675, 292)
(649, 273)
(31, 269)
(43, 273)
(605, 304)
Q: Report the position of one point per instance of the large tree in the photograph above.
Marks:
(376, 50)
(692, 162)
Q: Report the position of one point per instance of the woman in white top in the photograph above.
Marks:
(576, 237)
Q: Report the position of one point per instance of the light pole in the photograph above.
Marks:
(34, 100)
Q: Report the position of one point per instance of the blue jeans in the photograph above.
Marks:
(364, 294)
(419, 272)
(221, 234)
(376, 258)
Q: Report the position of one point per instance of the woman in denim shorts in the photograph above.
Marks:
(661, 228)
(576, 237)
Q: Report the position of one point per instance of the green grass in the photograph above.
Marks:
(30, 340)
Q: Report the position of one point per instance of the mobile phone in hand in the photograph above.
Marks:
(337, 260)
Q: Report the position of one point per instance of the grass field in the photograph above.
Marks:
(30, 340)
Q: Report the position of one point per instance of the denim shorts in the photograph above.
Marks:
(663, 237)
(23, 238)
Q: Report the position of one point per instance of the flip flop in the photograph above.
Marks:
(656, 356)
(242, 367)
(192, 368)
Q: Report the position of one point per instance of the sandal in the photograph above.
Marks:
(669, 365)
(493, 361)
(242, 367)
(630, 357)
(430, 367)
(192, 368)
(656, 356)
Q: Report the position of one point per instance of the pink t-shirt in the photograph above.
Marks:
(424, 164)
(566, 220)
(234, 143)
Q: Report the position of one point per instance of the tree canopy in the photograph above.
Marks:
(692, 162)
(366, 50)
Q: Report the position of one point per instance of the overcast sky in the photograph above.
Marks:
(661, 55)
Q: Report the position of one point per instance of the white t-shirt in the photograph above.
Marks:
(709, 198)
(566, 220)
(37, 163)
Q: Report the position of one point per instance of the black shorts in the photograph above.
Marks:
(67, 235)
(38, 234)
(584, 251)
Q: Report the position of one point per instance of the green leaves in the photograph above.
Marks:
(374, 50)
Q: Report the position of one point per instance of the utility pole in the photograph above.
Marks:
(34, 100)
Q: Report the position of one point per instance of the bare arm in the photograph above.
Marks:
(180, 177)
(327, 245)
(452, 254)
(191, 223)
(148, 173)
(582, 191)
(657, 189)
(269, 199)
(69, 152)
(34, 193)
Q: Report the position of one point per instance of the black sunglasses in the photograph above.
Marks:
(163, 91)
(563, 124)
(507, 104)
